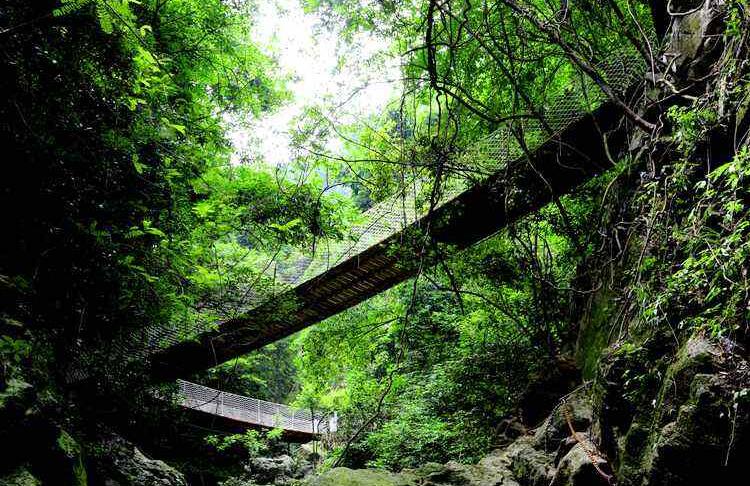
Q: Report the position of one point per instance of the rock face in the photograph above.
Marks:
(265, 470)
(120, 463)
(695, 431)
(551, 455)
(696, 35)
(277, 470)
(689, 428)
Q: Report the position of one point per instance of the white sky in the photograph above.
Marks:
(311, 54)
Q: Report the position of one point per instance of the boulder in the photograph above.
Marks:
(120, 463)
(555, 429)
(493, 470)
(577, 469)
(270, 470)
(343, 476)
(529, 465)
(238, 482)
(20, 477)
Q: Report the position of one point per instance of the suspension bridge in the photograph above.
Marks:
(228, 411)
(513, 172)
(517, 169)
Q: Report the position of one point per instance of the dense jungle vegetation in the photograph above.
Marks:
(129, 208)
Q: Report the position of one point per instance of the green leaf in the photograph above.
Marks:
(139, 167)
(287, 226)
(69, 6)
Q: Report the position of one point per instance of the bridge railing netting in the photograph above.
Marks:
(251, 410)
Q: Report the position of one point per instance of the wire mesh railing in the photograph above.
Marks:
(254, 411)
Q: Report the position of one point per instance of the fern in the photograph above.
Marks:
(67, 7)
(105, 11)
(105, 17)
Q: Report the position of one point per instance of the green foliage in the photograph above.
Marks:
(20, 477)
(712, 276)
(735, 16)
(274, 435)
(69, 6)
(13, 351)
(434, 368)
(68, 444)
(130, 211)
(251, 443)
(110, 13)
(691, 125)
(267, 374)
(419, 433)
(72, 449)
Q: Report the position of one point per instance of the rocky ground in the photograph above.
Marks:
(681, 438)
(600, 431)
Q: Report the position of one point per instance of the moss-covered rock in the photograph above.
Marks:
(529, 465)
(493, 470)
(343, 476)
(594, 331)
(581, 468)
(688, 430)
(20, 477)
(117, 462)
(574, 411)
(708, 436)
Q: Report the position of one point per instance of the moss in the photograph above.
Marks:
(343, 476)
(631, 448)
(70, 447)
(694, 357)
(594, 333)
(20, 477)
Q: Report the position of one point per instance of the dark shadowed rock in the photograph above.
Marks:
(267, 470)
(577, 469)
(343, 476)
(120, 463)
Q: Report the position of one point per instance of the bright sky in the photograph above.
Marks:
(322, 68)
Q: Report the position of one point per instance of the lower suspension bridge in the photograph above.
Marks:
(230, 411)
